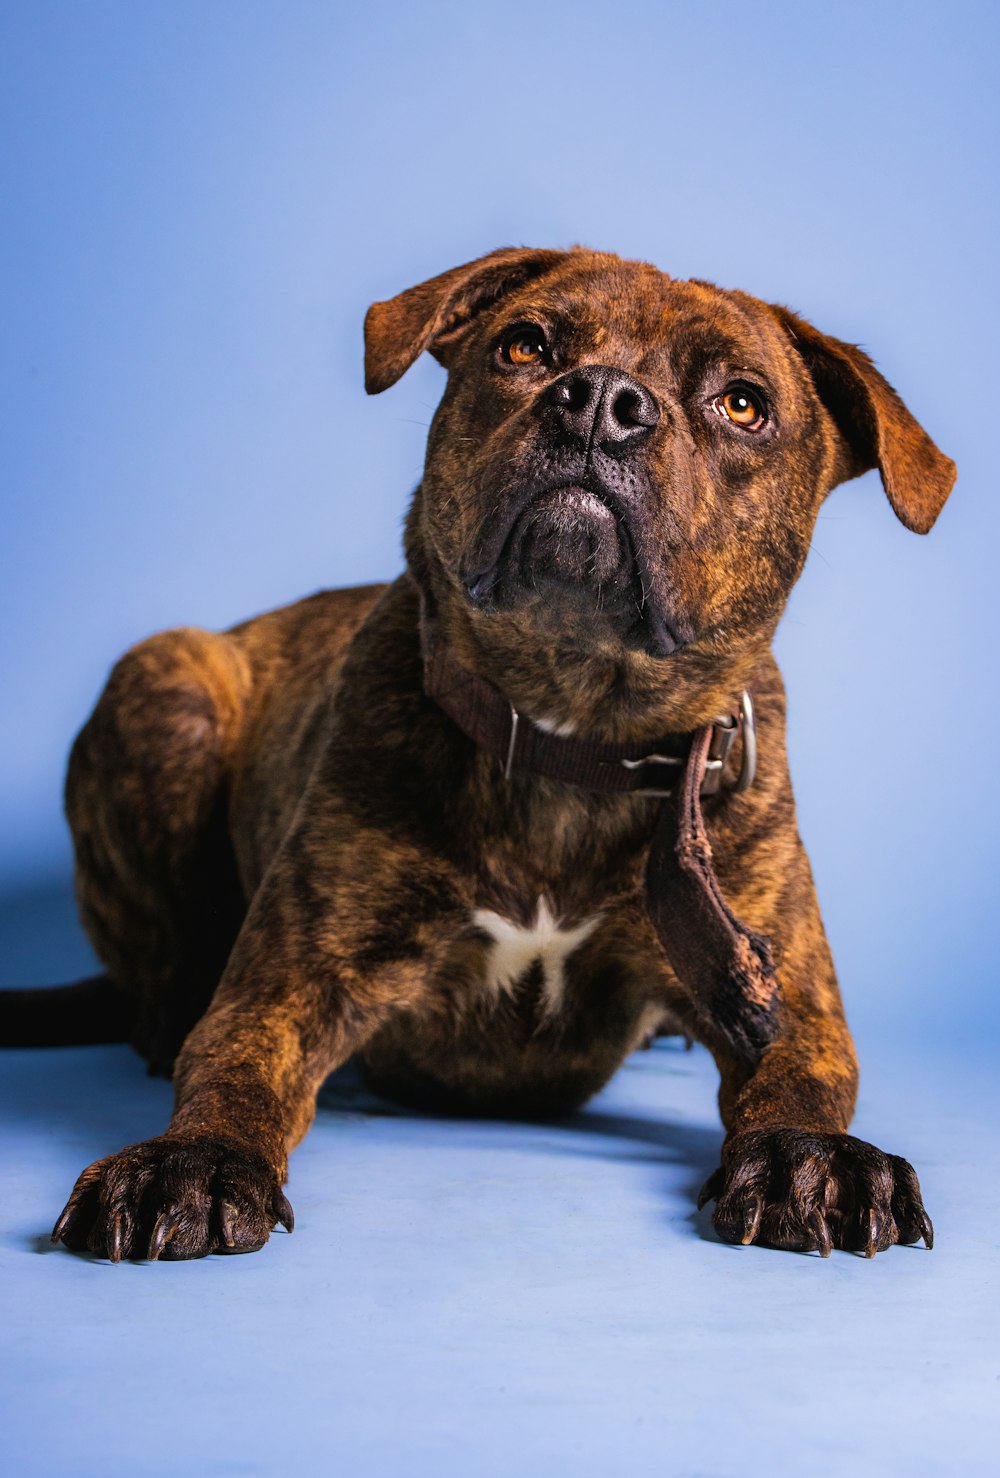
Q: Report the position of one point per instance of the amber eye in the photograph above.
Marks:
(525, 345)
(741, 406)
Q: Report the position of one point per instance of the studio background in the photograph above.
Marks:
(201, 199)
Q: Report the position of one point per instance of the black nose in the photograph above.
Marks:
(601, 406)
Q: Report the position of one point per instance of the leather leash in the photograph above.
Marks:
(725, 967)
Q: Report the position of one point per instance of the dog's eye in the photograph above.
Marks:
(741, 406)
(524, 345)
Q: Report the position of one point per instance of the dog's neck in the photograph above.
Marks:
(495, 725)
(595, 689)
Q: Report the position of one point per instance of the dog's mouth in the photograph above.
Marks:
(569, 535)
(572, 539)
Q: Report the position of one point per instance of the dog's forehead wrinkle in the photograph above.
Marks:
(597, 299)
(711, 322)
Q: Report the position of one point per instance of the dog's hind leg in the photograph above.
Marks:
(146, 797)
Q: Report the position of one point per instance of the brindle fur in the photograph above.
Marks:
(281, 840)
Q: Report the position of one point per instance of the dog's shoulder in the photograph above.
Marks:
(328, 617)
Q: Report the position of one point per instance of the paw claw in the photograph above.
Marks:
(753, 1210)
(821, 1231)
(62, 1222)
(163, 1230)
(926, 1228)
(874, 1232)
(228, 1215)
(712, 1188)
(115, 1240)
(285, 1215)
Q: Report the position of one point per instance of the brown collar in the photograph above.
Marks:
(725, 967)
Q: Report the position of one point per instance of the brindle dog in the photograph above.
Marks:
(288, 854)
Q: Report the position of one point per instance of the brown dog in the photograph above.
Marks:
(312, 836)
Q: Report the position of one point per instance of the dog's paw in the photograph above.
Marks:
(174, 1198)
(812, 1192)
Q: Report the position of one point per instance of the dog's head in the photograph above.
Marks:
(628, 465)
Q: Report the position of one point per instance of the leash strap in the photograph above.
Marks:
(725, 967)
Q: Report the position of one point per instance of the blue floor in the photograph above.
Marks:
(495, 1299)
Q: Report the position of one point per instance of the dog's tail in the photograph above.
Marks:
(88, 1011)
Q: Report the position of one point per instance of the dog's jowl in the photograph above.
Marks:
(489, 826)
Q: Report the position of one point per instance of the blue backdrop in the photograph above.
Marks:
(200, 201)
(200, 198)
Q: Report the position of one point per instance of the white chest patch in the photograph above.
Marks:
(516, 948)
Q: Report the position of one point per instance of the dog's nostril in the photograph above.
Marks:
(633, 407)
(571, 393)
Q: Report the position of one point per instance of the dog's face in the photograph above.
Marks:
(634, 461)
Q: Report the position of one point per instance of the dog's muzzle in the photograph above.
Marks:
(578, 520)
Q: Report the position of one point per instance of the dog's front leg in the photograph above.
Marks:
(319, 965)
(791, 1175)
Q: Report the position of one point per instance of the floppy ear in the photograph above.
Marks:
(876, 428)
(432, 315)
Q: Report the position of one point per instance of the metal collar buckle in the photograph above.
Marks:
(671, 760)
(724, 732)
